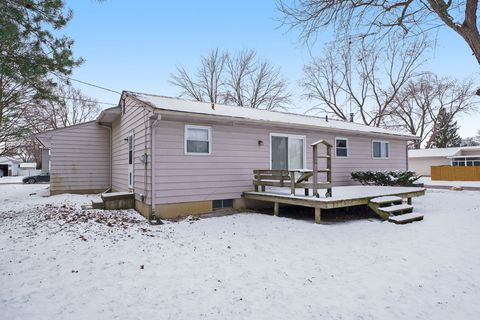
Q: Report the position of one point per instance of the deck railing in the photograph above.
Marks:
(293, 179)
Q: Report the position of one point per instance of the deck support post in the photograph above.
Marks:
(275, 209)
(318, 215)
(292, 182)
(409, 201)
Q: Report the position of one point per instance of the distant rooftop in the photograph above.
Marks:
(439, 152)
(195, 107)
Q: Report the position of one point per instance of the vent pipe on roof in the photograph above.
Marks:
(213, 106)
(351, 117)
(326, 118)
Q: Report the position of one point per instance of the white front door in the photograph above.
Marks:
(130, 161)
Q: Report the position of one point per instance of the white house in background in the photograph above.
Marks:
(8, 166)
(420, 160)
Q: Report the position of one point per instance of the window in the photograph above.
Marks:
(471, 161)
(341, 147)
(380, 149)
(220, 204)
(287, 151)
(198, 140)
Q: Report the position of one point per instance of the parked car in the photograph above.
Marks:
(43, 177)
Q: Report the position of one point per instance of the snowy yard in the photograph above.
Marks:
(429, 182)
(113, 265)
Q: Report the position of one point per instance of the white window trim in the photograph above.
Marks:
(389, 150)
(191, 126)
(286, 135)
(348, 151)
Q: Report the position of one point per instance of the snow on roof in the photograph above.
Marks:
(439, 152)
(28, 165)
(9, 159)
(181, 105)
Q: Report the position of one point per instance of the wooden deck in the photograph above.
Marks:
(347, 196)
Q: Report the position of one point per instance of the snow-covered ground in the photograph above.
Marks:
(11, 179)
(58, 262)
(429, 182)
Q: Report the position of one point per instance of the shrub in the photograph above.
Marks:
(385, 178)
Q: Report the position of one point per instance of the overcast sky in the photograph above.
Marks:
(135, 45)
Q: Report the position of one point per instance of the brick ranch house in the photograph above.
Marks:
(181, 157)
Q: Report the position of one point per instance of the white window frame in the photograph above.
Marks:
(346, 147)
(293, 136)
(389, 150)
(192, 126)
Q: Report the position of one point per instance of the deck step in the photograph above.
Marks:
(406, 218)
(396, 208)
(386, 199)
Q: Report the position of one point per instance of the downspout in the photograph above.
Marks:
(406, 154)
(111, 160)
(153, 121)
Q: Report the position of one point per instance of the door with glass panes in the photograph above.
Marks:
(287, 152)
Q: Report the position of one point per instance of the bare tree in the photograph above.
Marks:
(380, 17)
(207, 84)
(472, 141)
(241, 79)
(419, 103)
(71, 107)
(361, 79)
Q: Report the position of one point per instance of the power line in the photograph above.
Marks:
(88, 84)
(87, 100)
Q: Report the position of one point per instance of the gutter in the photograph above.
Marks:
(284, 124)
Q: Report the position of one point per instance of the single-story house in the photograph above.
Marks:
(9, 166)
(182, 157)
(421, 160)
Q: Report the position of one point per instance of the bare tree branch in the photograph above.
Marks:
(381, 17)
(241, 79)
(358, 78)
(419, 103)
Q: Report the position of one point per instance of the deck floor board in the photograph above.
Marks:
(344, 196)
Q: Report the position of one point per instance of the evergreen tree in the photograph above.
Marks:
(445, 132)
(32, 56)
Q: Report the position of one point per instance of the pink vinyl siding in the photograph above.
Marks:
(134, 120)
(227, 172)
(80, 159)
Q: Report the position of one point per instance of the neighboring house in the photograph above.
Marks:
(421, 160)
(181, 157)
(8, 166)
(28, 169)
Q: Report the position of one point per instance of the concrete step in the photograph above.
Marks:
(98, 205)
(396, 209)
(406, 218)
(386, 199)
(118, 200)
